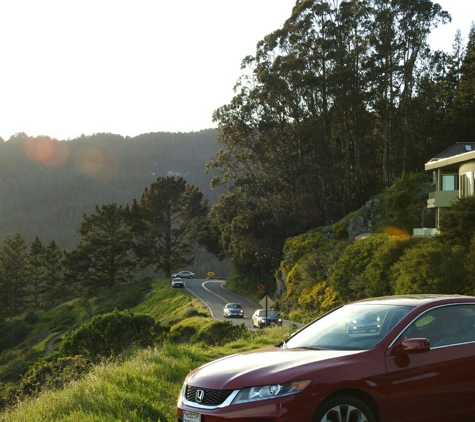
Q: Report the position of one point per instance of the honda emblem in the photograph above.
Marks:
(200, 394)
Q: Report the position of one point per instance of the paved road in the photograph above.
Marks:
(214, 295)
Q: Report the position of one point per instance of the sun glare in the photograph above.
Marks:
(47, 152)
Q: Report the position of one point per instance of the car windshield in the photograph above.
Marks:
(351, 327)
(270, 313)
(233, 305)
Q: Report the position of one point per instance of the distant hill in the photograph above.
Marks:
(46, 186)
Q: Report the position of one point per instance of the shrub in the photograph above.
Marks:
(109, 334)
(181, 333)
(12, 334)
(457, 223)
(31, 317)
(219, 333)
(54, 373)
(430, 267)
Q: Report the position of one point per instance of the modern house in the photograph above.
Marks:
(453, 173)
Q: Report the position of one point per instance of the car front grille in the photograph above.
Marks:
(210, 397)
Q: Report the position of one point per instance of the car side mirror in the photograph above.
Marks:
(413, 346)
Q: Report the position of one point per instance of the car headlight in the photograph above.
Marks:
(272, 391)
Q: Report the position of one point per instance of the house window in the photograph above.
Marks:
(450, 182)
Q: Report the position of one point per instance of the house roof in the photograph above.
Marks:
(452, 157)
(457, 149)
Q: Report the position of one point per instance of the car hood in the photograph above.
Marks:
(272, 364)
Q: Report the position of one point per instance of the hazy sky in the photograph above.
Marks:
(72, 67)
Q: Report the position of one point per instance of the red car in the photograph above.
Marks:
(390, 359)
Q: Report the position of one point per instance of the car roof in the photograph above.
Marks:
(417, 299)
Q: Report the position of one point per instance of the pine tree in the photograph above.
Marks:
(35, 272)
(104, 257)
(165, 223)
(52, 287)
(13, 263)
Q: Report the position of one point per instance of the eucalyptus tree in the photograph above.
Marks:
(320, 118)
(398, 43)
(464, 107)
(165, 222)
(291, 135)
(415, 20)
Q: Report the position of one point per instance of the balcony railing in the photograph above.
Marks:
(442, 198)
(424, 232)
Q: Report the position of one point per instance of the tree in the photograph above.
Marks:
(430, 267)
(35, 272)
(13, 264)
(464, 104)
(165, 222)
(457, 223)
(347, 275)
(105, 255)
(52, 288)
(406, 203)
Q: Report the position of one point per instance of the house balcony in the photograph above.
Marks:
(442, 198)
(425, 232)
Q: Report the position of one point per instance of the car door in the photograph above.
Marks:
(438, 385)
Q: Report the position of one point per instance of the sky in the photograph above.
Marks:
(127, 67)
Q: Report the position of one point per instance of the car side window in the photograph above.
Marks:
(445, 326)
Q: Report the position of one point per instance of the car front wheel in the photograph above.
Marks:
(344, 408)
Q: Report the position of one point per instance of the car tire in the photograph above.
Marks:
(344, 407)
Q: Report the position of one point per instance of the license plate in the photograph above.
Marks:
(191, 417)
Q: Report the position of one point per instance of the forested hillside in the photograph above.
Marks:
(46, 185)
(333, 107)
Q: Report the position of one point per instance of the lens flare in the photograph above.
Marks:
(97, 163)
(396, 232)
(46, 151)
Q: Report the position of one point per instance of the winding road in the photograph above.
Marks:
(214, 295)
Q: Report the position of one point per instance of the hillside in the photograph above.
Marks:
(141, 384)
(46, 186)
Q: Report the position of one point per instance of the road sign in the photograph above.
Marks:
(210, 273)
(260, 289)
(266, 303)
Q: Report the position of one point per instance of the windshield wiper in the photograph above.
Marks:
(312, 348)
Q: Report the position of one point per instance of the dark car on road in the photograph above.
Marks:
(390, 359)
(233, 310)
(262, 318)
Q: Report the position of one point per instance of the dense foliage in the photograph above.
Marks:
(334, 106)
(319, 271)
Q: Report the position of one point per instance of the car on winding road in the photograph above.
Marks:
(178, 282)
(232, 310)
(415, 363)
(262, 318)
(184, 274)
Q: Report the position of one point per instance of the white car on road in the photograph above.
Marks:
(184, 274)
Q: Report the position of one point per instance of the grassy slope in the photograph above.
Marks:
(145, 386)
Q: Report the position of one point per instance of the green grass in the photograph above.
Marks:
(143, 384)
(143, 388)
